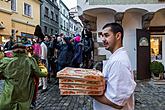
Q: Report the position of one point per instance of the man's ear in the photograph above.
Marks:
(118, 35)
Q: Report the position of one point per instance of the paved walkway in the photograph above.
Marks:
(148, 97)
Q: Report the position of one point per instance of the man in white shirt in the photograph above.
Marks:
(43, 81)
(120, 84)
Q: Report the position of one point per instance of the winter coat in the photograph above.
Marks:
(65, 55)
(18, 73)
(77, 58)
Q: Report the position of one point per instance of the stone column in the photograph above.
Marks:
(119, 17)
(146, 19)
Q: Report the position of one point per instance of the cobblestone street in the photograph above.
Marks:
(52, 100)
(148, 97)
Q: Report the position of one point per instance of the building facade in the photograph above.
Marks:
(64, 18)
(5, 24)
(74, 19)
(18, 18)
(50, 17)
(75, 27)
(72, 27)
(25, 16)
(140, 18)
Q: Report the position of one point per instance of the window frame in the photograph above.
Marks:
(15, 5)
(30, 9)
(46, 13)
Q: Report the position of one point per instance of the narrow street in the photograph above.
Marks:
(147, 97)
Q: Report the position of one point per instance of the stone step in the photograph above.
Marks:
(159, 82)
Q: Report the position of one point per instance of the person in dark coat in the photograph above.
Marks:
(9, 44)
(66, 54)
(88, 47)
(78, 46)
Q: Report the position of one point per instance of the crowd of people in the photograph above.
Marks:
(24, 72)
(55, 52)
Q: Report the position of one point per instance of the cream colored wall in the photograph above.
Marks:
(6, 23)
(5, 17)
(24, 23)
(20, 27)
(5, 5)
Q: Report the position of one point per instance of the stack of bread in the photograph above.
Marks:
(78, 81)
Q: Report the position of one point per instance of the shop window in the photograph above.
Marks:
(156, 48)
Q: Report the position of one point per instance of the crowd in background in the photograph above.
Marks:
(55, 52)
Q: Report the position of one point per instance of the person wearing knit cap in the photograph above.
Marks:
(18, 74)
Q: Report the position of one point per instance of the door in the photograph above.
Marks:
(143, 54)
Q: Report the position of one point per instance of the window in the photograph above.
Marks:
(46, 11)
(156, 47)
(64, 24)
(57, 17)
(51, 31)
(27, 9)
(64, 11)
(67, 26)
(45, 29)
(13, 5)
(52, 15)
(74, 28)
(71, 25)
(60, 8)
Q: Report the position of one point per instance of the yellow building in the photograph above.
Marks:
(5, 20)
(18, 18)
(26, 15)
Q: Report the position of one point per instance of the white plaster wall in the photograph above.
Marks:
(163, 49)
(102, 19)
(120, 8)
(131, 22)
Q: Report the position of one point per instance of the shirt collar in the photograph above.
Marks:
(118, 50)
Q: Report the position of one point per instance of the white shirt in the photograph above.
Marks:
(120, 82)
(44, 51)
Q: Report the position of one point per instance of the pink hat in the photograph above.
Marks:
(77, 39)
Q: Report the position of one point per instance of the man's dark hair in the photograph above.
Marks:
(115, 28)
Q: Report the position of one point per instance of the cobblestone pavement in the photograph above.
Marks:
(147, 97)
(51, 100)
